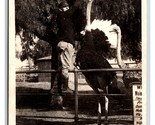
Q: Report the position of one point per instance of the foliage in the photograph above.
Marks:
(35, 51)
(127, 15)
(38, 18)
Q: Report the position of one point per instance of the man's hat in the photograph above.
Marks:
(63, 4)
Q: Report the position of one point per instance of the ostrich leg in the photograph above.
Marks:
(106, 107)
(100, 103)
(99, 110)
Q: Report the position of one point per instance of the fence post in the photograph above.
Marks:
(76, 95)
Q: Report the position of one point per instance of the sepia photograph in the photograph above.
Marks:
(77, 62)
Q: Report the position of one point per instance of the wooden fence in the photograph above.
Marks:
(75, 71)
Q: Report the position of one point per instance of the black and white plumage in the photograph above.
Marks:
(88, 57)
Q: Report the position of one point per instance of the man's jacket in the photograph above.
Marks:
(65, 24)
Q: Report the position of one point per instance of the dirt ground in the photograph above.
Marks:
(32, 107)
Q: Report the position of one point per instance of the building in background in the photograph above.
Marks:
(44, 64)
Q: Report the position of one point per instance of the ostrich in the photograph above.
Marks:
(88, 58)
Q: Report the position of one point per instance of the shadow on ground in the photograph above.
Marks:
(40, 99)
(32, 106)
(30, 121)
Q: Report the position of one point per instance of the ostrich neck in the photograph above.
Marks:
(88, 14)
(116, 28)
(119, 58)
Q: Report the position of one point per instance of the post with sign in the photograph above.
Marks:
(137, 103)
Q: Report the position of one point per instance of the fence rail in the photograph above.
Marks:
(75, 71)
(79, 70)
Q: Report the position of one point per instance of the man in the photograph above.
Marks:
(66, 42)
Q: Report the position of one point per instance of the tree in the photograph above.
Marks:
(127, 15)
(38, 17)
(35, 51)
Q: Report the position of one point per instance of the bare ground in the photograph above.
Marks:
(32, 108)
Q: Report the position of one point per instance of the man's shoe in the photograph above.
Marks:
(56, 102)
